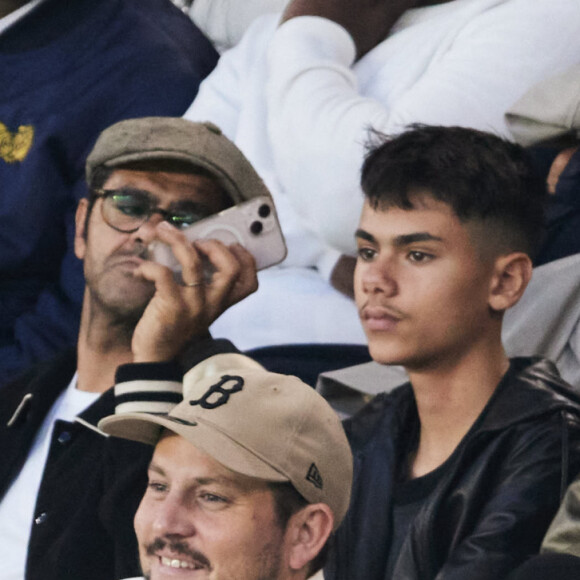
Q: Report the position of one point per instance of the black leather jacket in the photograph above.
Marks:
(491, 508)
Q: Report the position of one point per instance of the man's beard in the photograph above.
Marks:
(124, 309)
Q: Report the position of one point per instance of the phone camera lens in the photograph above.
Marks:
(256, 227)
(264, 210)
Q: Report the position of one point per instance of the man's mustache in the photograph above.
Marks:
(179, 548)
(139, 250)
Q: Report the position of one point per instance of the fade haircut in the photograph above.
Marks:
(482, 177)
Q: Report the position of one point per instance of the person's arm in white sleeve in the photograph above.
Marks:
(220, 97)
(319, 117)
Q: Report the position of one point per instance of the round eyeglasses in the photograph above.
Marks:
(126, 210)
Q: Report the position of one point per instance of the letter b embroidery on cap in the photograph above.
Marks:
(220, 392)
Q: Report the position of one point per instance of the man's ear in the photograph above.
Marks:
(512, 272)
(307, 533)
(81, 228)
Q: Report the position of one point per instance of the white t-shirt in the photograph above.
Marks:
(17, 15)
(17, 507)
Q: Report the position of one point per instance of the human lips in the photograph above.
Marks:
(172, 563)
(130, 261)
(380, 318)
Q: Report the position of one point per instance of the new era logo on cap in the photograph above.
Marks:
(314, 477)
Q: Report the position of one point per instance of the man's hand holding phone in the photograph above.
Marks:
(178, 311)
(252, 224)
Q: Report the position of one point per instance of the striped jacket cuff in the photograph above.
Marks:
(148, 388)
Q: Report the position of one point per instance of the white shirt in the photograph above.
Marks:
(17, 15)
(17, 507)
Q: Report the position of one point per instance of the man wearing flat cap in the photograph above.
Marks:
(68, 492)
(250, 475)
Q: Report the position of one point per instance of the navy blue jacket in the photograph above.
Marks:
(68, 70)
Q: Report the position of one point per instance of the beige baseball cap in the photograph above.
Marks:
(200, 144)
(261, 424)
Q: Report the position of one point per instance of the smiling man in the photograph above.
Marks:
(459, 472)
(68, 492)
(250, 476)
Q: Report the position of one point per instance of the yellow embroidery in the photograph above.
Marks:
(15, 146)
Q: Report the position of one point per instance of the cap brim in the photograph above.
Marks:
(146, 428)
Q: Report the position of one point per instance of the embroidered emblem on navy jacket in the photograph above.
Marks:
(15, 146)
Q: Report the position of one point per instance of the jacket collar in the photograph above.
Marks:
(103, 406)
(30, 396)
(48, 381)
(531, 387)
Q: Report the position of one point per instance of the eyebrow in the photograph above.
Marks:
(403, 239)
(365, 236)
(189, 205)
(199, 480)
(406, 239)
(156, 469)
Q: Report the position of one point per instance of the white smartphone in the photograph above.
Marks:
(253, 224)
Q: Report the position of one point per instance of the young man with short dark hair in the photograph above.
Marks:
(458, 472)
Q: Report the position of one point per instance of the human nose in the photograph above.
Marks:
(146, 232)
(172, 518)
(378, 276)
